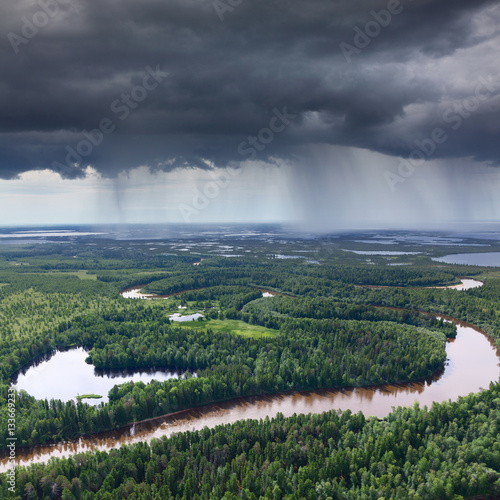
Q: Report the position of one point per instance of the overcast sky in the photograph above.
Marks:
(331, 113)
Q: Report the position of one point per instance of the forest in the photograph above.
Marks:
(306, 353)
(334, 323)
(446, 452)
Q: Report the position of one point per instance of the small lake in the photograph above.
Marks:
(65, 375)
(181, 319)
(134, 293)
(381, 252)
(467, 284)
(490, 259)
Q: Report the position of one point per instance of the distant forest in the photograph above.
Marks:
(326, 325)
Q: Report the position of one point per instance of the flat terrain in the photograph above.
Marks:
(231, 326)
(337, 319)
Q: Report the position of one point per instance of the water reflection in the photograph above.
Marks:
(65, 375)
(472, 364)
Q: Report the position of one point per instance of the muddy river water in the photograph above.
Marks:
(472, 363)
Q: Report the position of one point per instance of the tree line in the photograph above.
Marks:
(307, 354)
(449, 451)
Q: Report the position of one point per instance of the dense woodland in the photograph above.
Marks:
(332, 324)
(447, 452)
(307, 353)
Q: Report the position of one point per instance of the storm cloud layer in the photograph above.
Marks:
(166, 83)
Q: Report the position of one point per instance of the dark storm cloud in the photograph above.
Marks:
(219, 81)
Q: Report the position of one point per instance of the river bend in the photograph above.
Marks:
(472, 363)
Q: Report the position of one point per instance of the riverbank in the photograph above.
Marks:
(472, 364)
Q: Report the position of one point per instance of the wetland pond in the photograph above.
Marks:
(65, 375)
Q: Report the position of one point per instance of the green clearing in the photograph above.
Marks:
(234, 326)
(89, 396)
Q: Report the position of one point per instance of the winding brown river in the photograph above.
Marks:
(471, 365)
